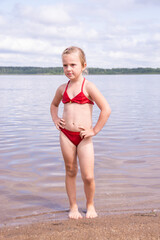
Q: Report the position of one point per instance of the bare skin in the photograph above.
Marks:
(78, 118)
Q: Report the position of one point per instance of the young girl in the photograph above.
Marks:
(75, 127)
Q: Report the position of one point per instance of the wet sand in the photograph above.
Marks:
(137, 226)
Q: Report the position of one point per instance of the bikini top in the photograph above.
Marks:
(80, 98)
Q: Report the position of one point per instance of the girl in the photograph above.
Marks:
(75, 127)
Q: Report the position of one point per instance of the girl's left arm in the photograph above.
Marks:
(102, 104)
(104, 107)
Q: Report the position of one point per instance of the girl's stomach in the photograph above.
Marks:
(77, 116)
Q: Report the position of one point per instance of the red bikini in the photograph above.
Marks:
(74, 137)
(80, 98)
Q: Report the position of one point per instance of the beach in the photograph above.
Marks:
(137, 226)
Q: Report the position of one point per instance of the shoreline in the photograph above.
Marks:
(90, 70)
(132, 226)
(36, 215)
(89, 74)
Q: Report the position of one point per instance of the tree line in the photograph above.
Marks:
(59, 70)
(31, 70)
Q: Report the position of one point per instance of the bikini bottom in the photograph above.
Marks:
(74, 137)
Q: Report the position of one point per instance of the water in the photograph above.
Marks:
(127, 150)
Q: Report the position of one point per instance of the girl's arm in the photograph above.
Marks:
(59, 122)
(104, 107)
(102, 104)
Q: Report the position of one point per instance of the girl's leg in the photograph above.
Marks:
(69, 152)
(85, 153)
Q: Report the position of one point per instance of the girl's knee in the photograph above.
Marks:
(88, 180)
(71, 171)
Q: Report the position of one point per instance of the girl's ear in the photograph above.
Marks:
(85, 71)
(85, 65)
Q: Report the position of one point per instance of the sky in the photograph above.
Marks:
(113, 34)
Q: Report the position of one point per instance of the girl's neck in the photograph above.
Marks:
(76, 80)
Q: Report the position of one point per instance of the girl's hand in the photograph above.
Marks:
(85, 133)
(59, 122)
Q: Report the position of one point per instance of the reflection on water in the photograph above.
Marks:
(127, 153)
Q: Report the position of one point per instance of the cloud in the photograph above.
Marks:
(150, 2)
(2, 20)
(23, 45)
(44, 14)
(113, 34)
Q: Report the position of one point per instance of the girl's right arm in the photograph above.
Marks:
(59, 122)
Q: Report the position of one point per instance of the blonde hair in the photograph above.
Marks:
(73, 49)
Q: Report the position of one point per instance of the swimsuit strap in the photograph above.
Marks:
(66, 86)
(82, 85)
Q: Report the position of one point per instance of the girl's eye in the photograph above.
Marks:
(64, 65)
(73, 65)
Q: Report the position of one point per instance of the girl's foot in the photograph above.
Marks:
(91, 212)
(74, 213)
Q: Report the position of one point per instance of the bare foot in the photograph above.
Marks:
(74, 213)
(91, 212)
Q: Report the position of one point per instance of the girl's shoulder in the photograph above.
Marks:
(89, 85)
(62, 88)
(93, 91)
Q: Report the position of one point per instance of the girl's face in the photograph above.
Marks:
(72, 65)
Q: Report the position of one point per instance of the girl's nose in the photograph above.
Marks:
(68, 68)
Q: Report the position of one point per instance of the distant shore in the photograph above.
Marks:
(91, 71)
(112, 227)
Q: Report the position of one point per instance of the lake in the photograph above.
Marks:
(127, 150)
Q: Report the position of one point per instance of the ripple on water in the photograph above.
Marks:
(127, 153)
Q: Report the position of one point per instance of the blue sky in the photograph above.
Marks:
(124, 33)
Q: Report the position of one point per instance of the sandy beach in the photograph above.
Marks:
(137, 226)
